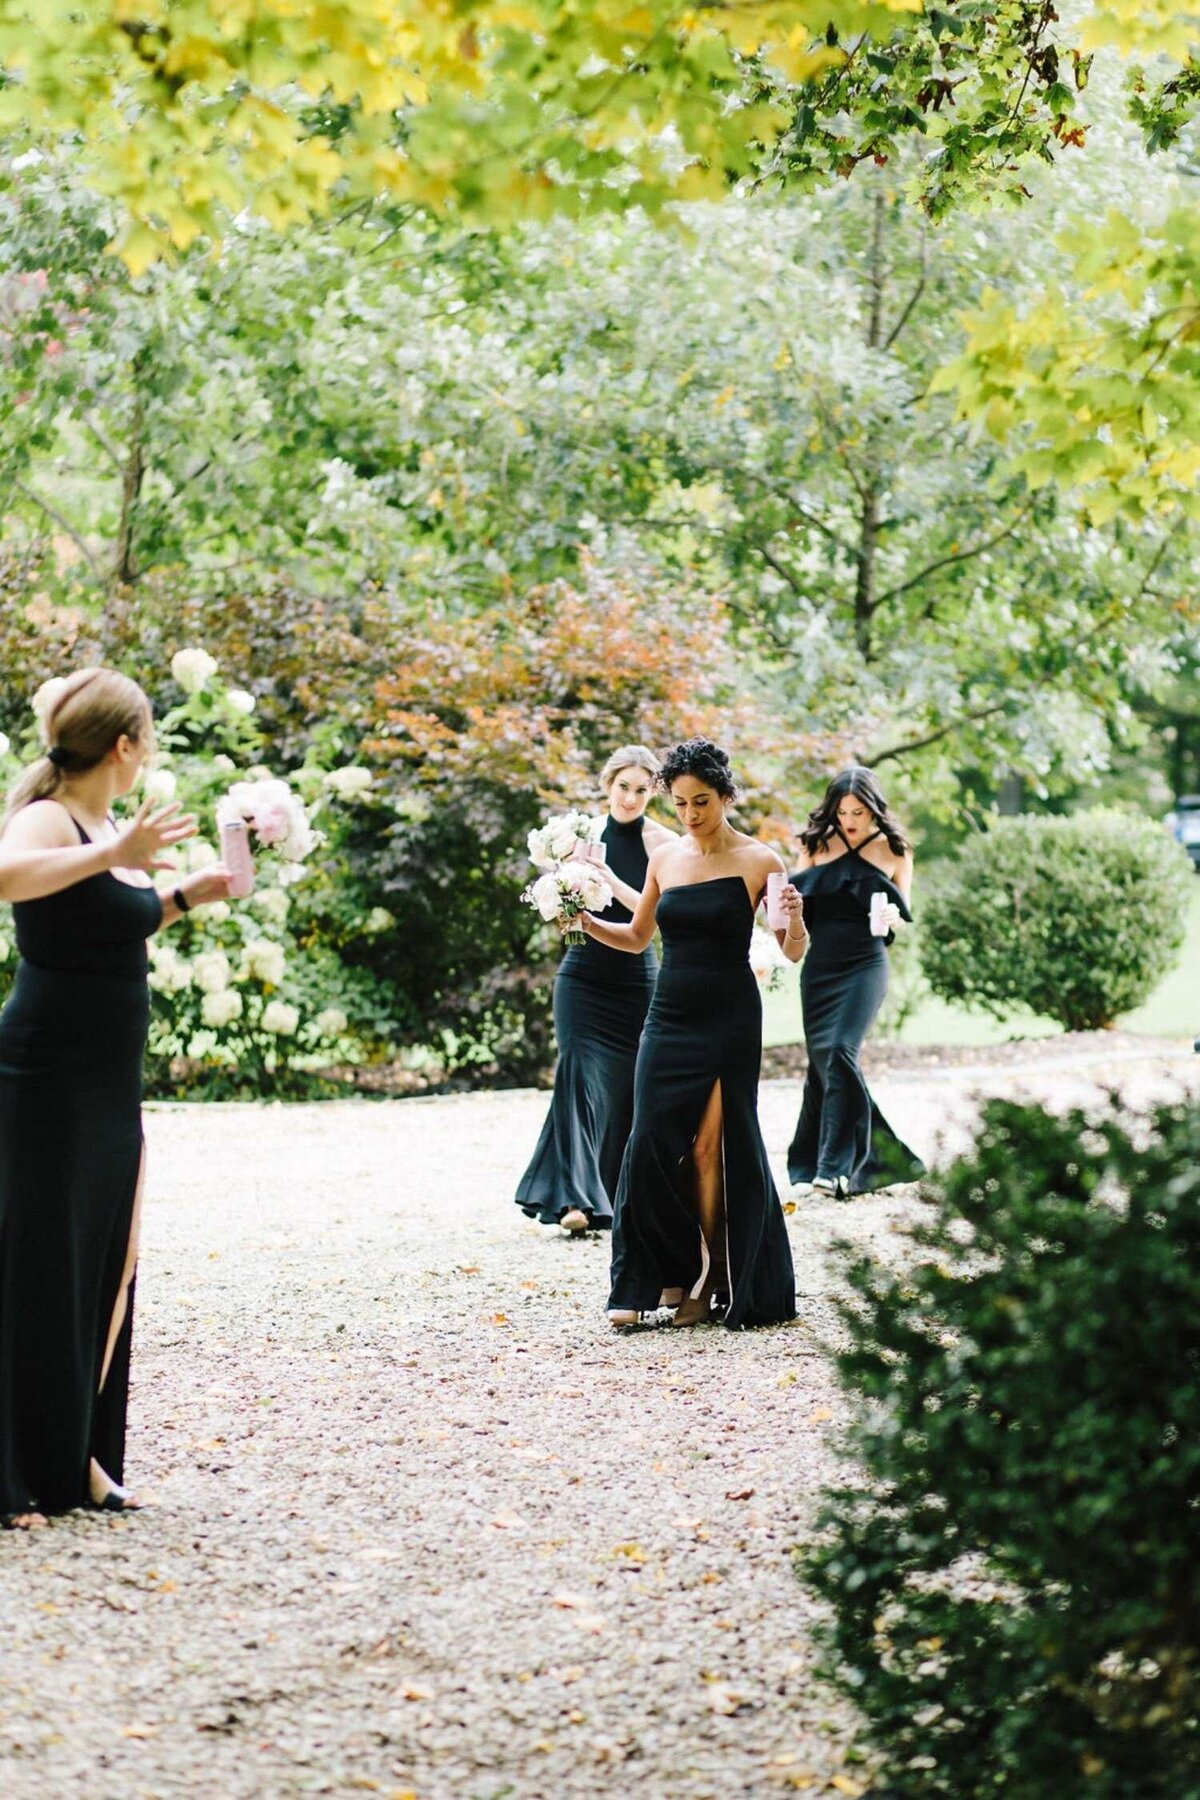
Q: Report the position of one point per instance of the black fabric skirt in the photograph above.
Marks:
(71, 1050)
(577, 1160)
(841, 1131)
(704, 1026)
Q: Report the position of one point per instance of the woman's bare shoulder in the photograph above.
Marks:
(42, 825)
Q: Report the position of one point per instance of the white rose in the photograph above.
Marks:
(241, 701)
(350, 783)
(210, 970)
(160, 786)
(221, 1009)
(546, 897)
(280, 1018)
(46, 695)
(192, 669)
(539, 850)
(332, 1022)
(264, 960)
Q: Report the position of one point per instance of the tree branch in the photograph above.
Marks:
(63, 524)
(934, 737)
(913, 298)
(957, 556)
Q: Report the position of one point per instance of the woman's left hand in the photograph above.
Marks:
(207, 885)
(792, 902)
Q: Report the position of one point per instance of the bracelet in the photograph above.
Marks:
(181, 902)
(797, 937)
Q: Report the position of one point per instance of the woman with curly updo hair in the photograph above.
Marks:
(600, 1001)
(855, 857)
(698, 1222)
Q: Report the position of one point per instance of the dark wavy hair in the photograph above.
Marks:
(703, 761)
(822, 820)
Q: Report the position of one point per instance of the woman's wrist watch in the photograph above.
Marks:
(181, 900)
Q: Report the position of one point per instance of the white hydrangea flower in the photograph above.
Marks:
(210, 971)
(221, 761)
(221, 1009)
(199, 854)
(193, 669)
(332, 1022)
(169, 973)
(46, 695)
(241, 700)
(280, 1018)
(160, 786)
(220, 911)
(5, 948)
(350, 783)
(264, 960)
(272, 903)
(379, 919)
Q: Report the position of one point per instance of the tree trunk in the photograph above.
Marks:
(125, 571)
(869, 483)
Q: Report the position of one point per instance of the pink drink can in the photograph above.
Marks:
(235, 854)
(879, 919)
(777, 918)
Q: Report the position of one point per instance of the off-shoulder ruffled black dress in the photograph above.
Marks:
(841, 1133)
(704, 1026)
(71, 1041)
(600, 1001)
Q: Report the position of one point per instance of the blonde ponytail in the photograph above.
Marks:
(81, 720)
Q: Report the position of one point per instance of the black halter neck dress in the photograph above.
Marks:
(600, 1001)
(841, 1133)
(704, 1026)
(72, 1036)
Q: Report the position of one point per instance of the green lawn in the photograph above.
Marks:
(1173, 1009)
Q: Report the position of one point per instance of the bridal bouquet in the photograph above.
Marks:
(563, 893)
(274, 814)
(565, 835)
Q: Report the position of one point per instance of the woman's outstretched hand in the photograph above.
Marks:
(152, 829)
(208, 885)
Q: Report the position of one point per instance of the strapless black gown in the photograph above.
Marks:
(600, 1001)
(843, 982)
(704, 1026)
(71, 1041)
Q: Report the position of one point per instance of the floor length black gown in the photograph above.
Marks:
(71, 1041)
(704, 1026)
(843, 981)
(600, 1001)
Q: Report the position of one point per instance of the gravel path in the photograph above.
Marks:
(423, 1525)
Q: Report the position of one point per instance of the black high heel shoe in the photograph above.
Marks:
(117, 1500)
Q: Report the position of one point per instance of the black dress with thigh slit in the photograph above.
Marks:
(600, 1001)
(841, 1133)
(704, 1026)
(71, 1041)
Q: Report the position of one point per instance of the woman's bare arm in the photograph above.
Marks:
(636, 936)
(40, 854)
(903, 877)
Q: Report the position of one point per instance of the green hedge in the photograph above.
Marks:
(1014, 1566)
(1076, 919)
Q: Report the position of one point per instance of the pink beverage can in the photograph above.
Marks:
(595, 854)
(777, 917)
(235, 854)
(879, 918)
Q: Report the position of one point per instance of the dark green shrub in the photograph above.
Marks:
(1014, 1570)
(1076, 919)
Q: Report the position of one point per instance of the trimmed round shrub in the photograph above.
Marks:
(1076, 919)
(1012, 1561)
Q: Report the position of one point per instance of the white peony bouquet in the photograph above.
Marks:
(275, 815)
(563, 893)
(564, 835)
(766, 958)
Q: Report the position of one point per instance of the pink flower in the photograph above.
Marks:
(272, 822)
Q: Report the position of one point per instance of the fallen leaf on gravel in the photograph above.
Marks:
(499, 1318)
(724, 1700)
(633, 1552)
(789, 1206)
(468, 1268)
(740, 1494)
(139, 1731)
(568, 1600)
(788, 1379)
(530, 1287)
(819, 1414)
(508, 1521)
(410, 1691)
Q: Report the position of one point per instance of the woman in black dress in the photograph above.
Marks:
(854, 849)
(71, 1042)
(600, 1001)
(697, 1217)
